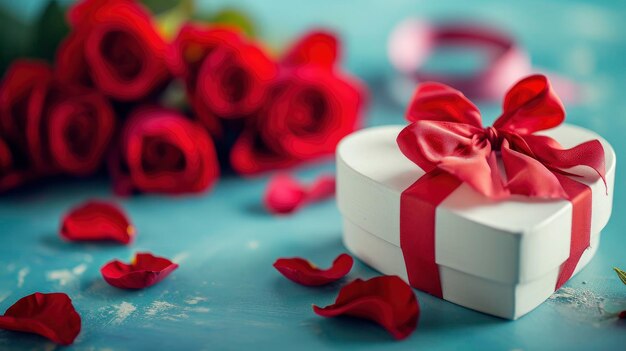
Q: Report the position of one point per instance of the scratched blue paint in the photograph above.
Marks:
(226, 295)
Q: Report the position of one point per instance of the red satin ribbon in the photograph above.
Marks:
(418, 207)
(447, 140)
(413, 41)
(579, 195)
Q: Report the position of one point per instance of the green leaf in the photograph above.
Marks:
(170, 21)
(621, 274)
(174, 96)
(160, 6)
(237, 19)
(15, 39)
(50, 30)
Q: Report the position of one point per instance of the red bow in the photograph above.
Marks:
(447, 134)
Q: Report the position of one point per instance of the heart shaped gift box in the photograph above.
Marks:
(498, 256)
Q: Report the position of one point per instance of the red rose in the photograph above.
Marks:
(162, 151)
(22, 94)
(309, 110)
(50, 127)
(233, 80)
(226, 75)
(115, 47)
(79, 127)
(192, 45)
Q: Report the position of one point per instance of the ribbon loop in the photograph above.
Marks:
(439, 102)
(530, 106)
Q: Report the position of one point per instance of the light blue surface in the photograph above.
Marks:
(226, 295)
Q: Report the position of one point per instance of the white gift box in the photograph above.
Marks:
(497, 257)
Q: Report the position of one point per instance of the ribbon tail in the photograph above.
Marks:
(418, 206)
(579, 195)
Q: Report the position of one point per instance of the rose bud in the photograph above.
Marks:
(115, 47)
(162, 151)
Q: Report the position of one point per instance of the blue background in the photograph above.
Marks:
(226, 295)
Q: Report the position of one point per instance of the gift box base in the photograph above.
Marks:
(509, 301)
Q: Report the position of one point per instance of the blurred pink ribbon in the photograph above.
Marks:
(413, 41)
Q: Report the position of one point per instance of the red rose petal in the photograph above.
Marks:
(304, 272)
(322, 188)
(50, 315)
(144, 271)
(85, 9)
(97, 220)
(316, 47)
(386, 300)
(622, 315)
(284, 194)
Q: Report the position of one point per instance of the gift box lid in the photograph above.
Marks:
(511, 241)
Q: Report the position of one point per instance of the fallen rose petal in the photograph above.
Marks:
(145, 270)
(386, 300)
(304, 272)
(95, 221)
(622, 315)
(50, 315)
(322, 188)
(285, 194)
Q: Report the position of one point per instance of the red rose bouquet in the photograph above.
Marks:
(105, 102)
